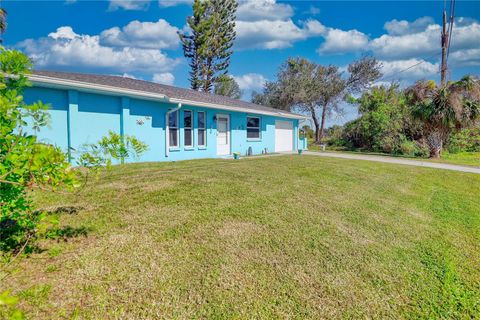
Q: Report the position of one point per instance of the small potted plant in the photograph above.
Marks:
(236, 155)
(300, 151)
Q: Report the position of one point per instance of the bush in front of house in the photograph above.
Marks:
(26, 163)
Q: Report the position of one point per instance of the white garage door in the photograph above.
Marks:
(283, 136)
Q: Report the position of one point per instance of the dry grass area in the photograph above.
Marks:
(280, 237)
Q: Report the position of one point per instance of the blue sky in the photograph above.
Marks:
(138, 38)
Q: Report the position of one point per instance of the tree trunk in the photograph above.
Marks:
(208, 74)
(435, 144)
(317, 125)
(322, 126)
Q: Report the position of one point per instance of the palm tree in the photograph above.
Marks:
(443, 110)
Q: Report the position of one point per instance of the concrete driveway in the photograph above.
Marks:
(386, 159)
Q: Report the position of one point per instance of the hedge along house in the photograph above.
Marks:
(175, 123)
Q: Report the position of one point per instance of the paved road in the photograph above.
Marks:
(394, 160)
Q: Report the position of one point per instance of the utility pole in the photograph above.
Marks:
(443, 70)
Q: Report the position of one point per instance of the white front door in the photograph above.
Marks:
(223, 134)
(283, 136)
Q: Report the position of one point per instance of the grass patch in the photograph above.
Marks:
(278, 237)
(462, 158)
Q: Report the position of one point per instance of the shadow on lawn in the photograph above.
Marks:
(65, 210)
(66, 232)
(16, 237)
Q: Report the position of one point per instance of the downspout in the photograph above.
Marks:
(167, 134)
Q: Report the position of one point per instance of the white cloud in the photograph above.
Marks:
(313, 11)
(466, 35)
(254, 10)
(164, 78)
(250, 81)
(66, 48)
(275, 29)
(406, 40)
(400, 27)
(464, 21)
(465, 58)
(127, 75)
(314, 28)
(266, 24)
(339, 41)
(267, 34)
(398, 69)
(173, 3)
(150, 35)
(128, 5)
(410, 45)
(63, 33)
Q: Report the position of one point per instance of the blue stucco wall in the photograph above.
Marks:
(57, 131)
(84, 117)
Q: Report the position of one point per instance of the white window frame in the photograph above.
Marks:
(204, 128)
(189, 146)
(174, 128)
(259, 128)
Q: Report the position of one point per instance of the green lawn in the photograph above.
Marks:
(462, 158)
(277, 237)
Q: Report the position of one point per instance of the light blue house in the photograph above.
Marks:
(175, 123)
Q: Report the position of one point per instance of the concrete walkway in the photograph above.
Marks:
(394, 160)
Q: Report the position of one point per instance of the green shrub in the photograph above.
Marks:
(422, 151)
(408, 148)
(111, 147)
(466, 140)
(385, 123)
(308, 132)
(387, 144)
(121, 147)
(334, 136)
(24, 162)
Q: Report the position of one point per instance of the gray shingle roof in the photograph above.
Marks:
(151, 87)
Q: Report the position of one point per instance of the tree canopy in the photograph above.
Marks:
(420, 120)
(208, 42)
(444, 109)
(315, 89)
(227, 86)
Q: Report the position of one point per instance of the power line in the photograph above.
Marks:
(449, 33)
(410, 67)
(450, 29)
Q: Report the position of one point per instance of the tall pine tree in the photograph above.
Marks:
(193, 40)
(208, 43)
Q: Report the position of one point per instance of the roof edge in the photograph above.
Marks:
(95, 87)
(56, 82)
